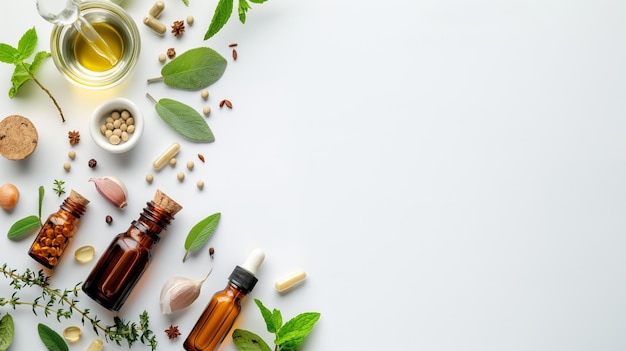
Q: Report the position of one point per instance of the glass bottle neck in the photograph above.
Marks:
(74, 208)
(152, 221)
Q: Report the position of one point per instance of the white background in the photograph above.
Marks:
(450, 174)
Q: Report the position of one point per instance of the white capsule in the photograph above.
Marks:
(290, 281)
(166, 156)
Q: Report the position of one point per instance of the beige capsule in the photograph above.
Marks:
(72, 334)
(84, 254)
(288, 282)
(96, 345)
(157, 26)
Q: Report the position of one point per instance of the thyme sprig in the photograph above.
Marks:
(62, 304)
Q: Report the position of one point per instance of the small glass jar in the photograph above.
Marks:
(83, 67)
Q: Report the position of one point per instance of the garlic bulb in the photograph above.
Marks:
(180, 292)
(111, 189)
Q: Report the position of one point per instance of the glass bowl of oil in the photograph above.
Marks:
(80, 64)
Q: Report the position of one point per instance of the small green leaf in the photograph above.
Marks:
(248, 341)
(295, 330)
(7, 330)
(23, 226)
(21, 76)
(27, 44)
(222, 13)
(194, 69)
(184, 120)
(8, 54)
(273, 319)
(242, 9)
(41, 194)
(50, 338)
(186, 2)
(201, 232)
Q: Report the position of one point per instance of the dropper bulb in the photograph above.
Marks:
(254, 261)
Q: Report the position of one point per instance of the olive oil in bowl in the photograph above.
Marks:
(88, 58)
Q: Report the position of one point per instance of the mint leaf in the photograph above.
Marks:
(242, 9)
(26, 45)
(222, 13)
(8, 54)
(21, 76)
(295, 330)
(7, 330)
(23, 226)
(273, 320)
(248, 341)
(50, 338)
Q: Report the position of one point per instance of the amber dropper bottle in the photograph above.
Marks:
(58, 230)
(224, 307)
(128, 256)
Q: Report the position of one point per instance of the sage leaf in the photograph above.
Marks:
(194, 69)
(50, 338)
(200, 233)
(41, 194)
(23, 226)
(296, 329)
(273, 319)
(221, 15)
(248, 341)
(7, 330)
(184, 120)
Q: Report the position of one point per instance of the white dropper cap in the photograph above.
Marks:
(254, 260)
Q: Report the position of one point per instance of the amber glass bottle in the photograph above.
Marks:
(58, 230)
(224, 307)
(129, 254)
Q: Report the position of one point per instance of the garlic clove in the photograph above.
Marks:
(179, 293)
(111, 189)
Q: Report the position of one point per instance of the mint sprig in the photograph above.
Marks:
(25, 71)
(222, 14)
(288, 336)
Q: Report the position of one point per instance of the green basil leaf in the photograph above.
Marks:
(194, 69)
(8, 54)
(184, 120)
(248, 341)
(201, 232)
(23, 226)
(7, 330)
(26, 45)
(41, 194)
(222, 13)
(295, 330)
(50, 338)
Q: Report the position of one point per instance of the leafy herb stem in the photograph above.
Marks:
(63, 303)
(32, 76)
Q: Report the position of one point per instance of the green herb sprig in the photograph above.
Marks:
(288, 336)
(62, 304)
(222, 14)
(28, 223)
(59, 187)
(25, 71)
(200, 233)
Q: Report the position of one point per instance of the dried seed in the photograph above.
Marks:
(222, 103)
(67, 166)
(71, 154)
(108, 219)
(92, 163)
(200, 184)
(234, 54)
(149, 178)
(190, 165)
(190, 20)
(162, 58)
(201, 157)
(206, 110)
(232, 45)
(228, 103)
(180, 176)
(171, 53)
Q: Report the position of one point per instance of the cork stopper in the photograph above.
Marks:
(166, 203)
(18, 137)
(78, 198)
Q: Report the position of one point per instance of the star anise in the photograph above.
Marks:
(74, 137)
(172, 332)
(178, 28)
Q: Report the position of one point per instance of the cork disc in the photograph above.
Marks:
(18, 137)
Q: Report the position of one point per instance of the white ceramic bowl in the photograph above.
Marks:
(103, 111)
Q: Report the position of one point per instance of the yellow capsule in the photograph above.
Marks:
(71, 334)
(290, 281)
(84, 254)
(166, 156)
(96, 345)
